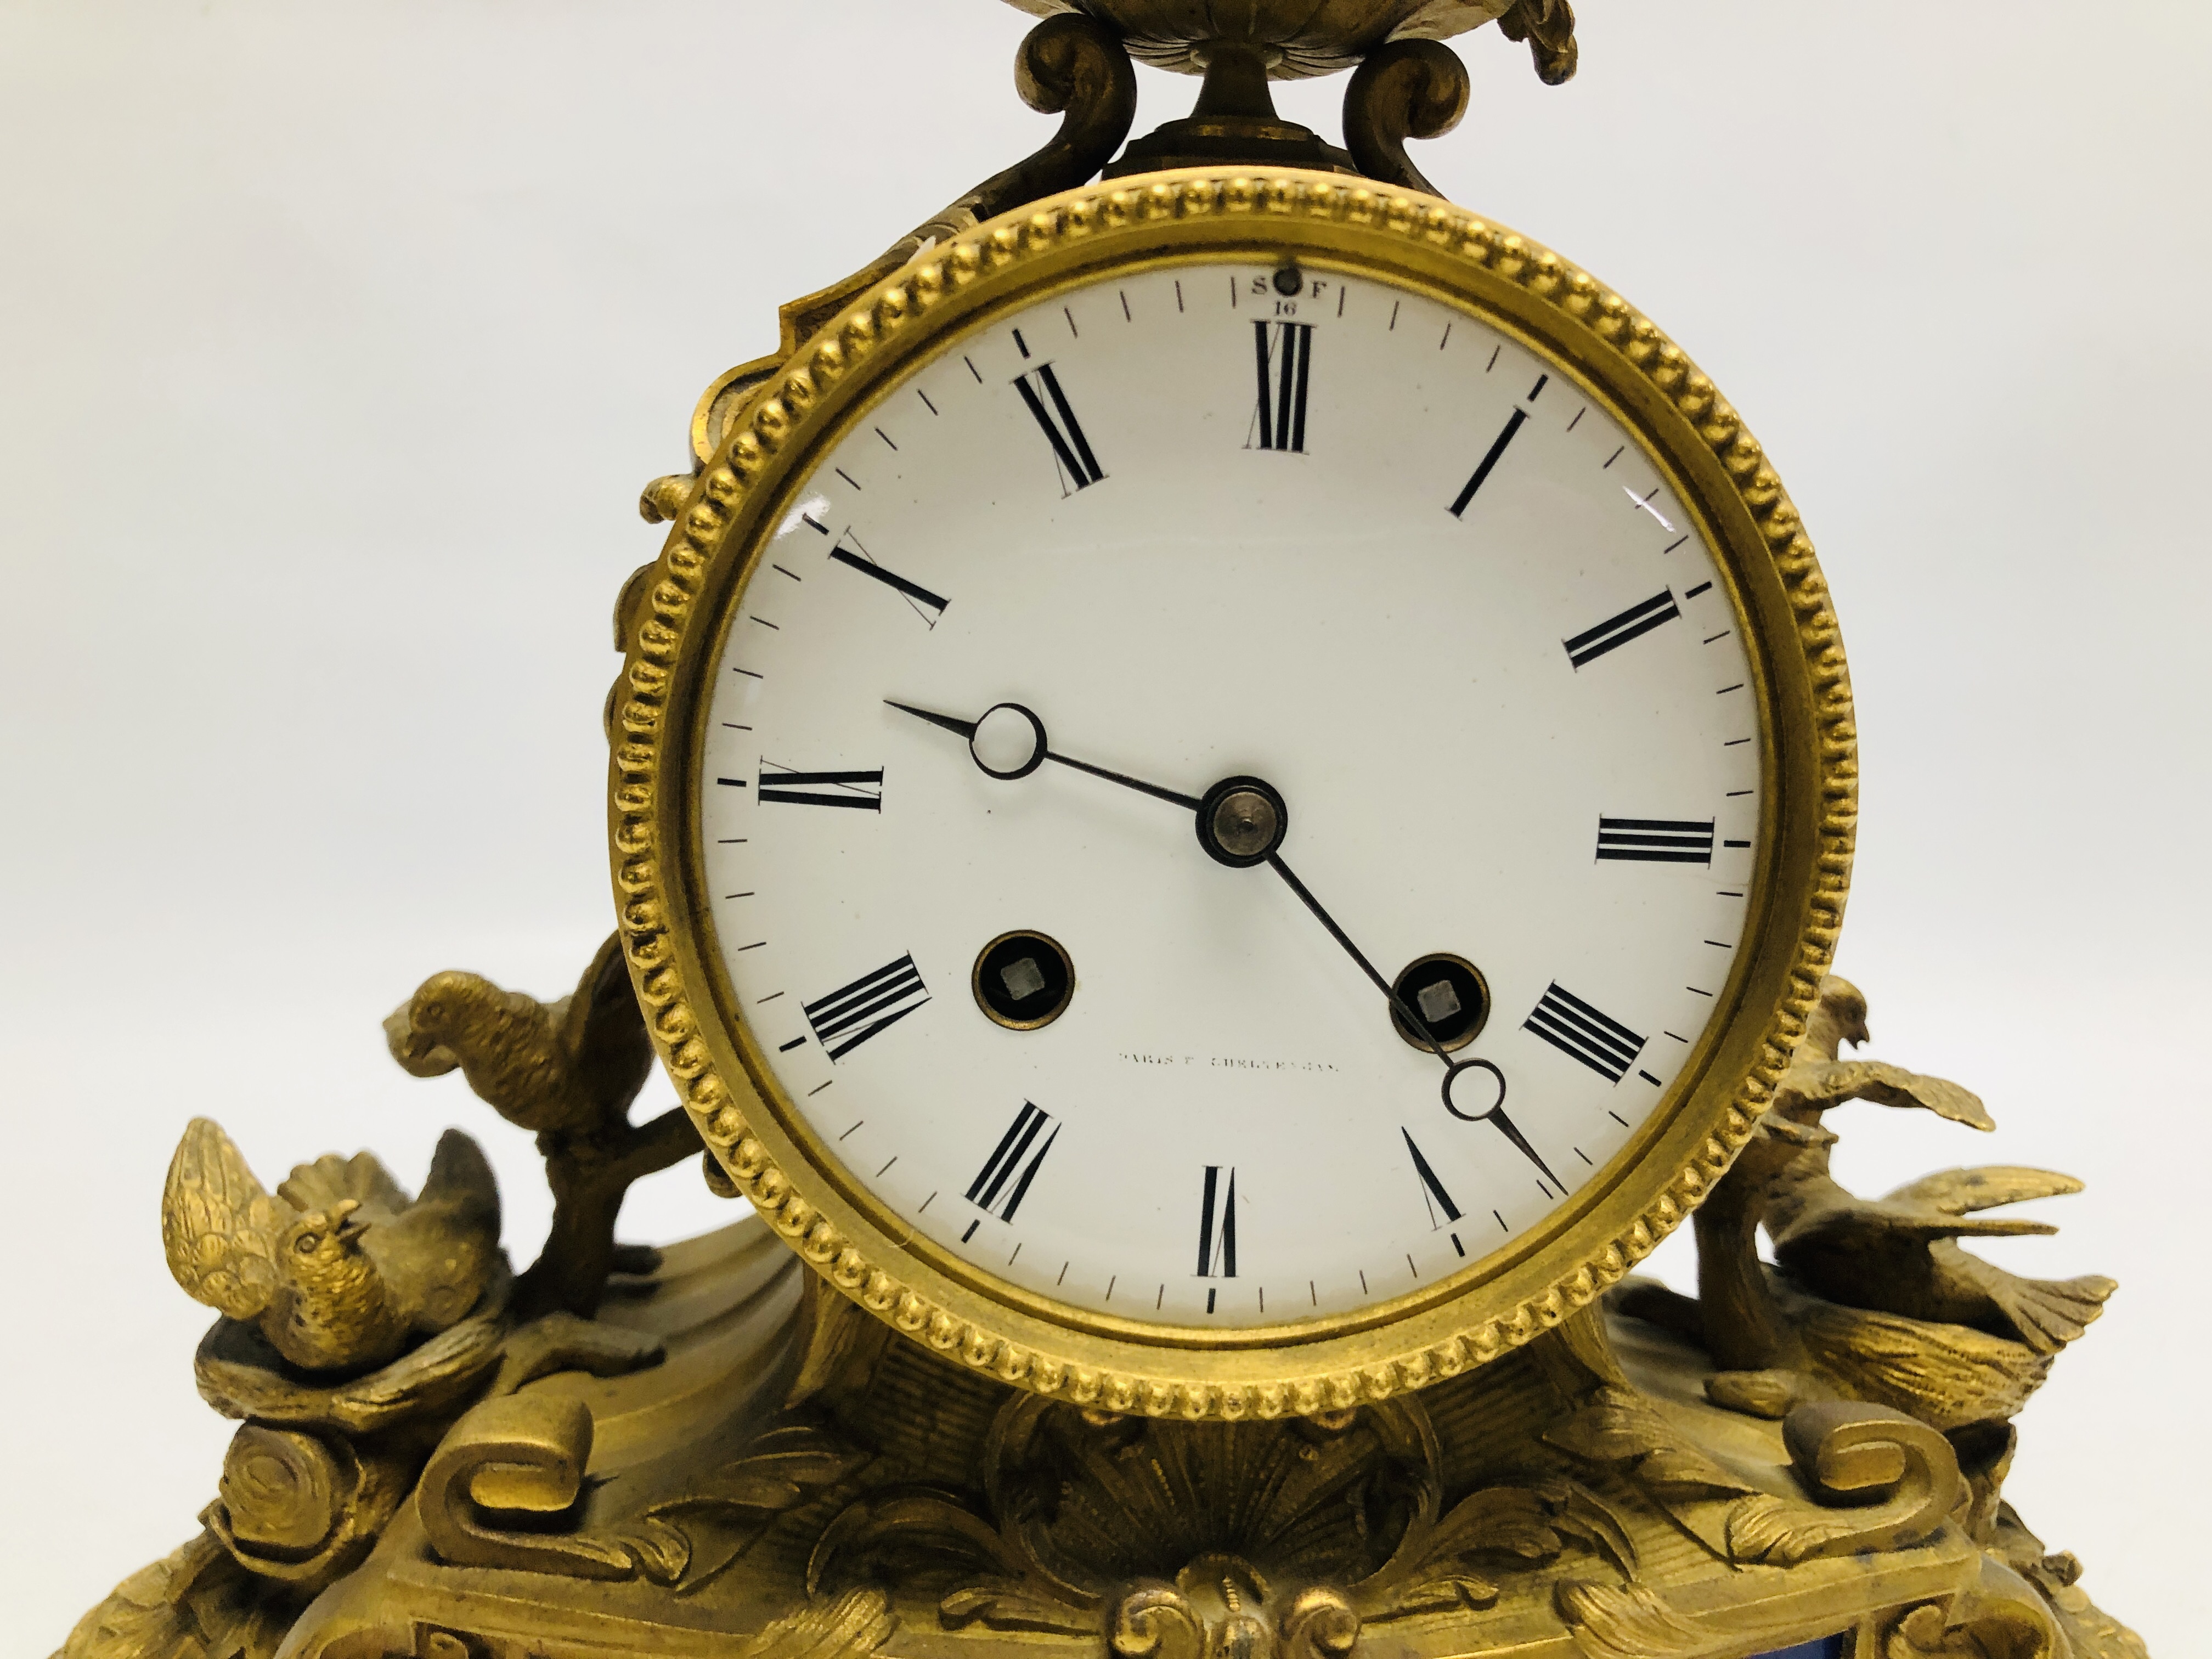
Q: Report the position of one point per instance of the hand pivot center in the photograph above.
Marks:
(1242, 821)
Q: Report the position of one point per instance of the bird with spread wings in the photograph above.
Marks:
(1900, 1253)
(339, 1269)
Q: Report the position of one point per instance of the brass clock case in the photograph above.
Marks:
(1796, 899)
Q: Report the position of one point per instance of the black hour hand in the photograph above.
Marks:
(1016, 740)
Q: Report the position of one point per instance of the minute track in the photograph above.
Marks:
(1172, 636)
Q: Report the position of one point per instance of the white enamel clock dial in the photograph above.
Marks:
(1346, 540)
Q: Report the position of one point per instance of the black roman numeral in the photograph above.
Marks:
(864, 790)
(1614, 631)
(1656, 841)
(1579, 1031)
(1217, 1223)
(1483, 468)
(989, 1192)
(1432, 1190)
(1071, 450)
(926, 606)
(1496, 452)
(1284, 352)
(870, 1004)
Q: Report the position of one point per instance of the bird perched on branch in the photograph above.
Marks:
(1818, 1080)
(566, 1070)
(570, 1066)
(340, 1269)
(1899, 1254)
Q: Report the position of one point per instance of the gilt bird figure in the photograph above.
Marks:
(1899, 1254)
(568, 1067)
(340, 1269)
(1818, 1079)
(566, 1070)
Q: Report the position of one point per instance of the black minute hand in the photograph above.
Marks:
(1413, 1022)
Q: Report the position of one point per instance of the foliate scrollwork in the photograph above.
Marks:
(2005, 1630)
(2054, 1576)
(717, 1518)
(1182, 1541)
(512, 1465)
(2091, 1631)
(1629, 1622)
(304, 1507)
(1221, 1608)
(850, 1626)
(1406, 89)
(1321, 1623)
(1008, 1604)
(1087, 1501)
(508, 1463)
(1899, 1477)
(923, 1532)
(1155, 1622)
(197, 1601)
(1449, 1562)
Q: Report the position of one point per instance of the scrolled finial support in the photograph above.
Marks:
(1072, 65)
(1403, 89)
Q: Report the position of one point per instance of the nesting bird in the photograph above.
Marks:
(339, 1270)
(1899, 1254)
(1874, 1298)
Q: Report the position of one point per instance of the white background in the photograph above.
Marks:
(335, 341)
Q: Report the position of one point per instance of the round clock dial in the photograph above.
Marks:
(1231, 794)
(1223, 520)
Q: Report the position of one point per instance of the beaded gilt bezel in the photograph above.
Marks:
(1560, 312)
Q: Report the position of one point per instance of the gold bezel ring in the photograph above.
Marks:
(1803, 856)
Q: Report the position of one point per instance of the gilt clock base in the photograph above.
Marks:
(790, 1480)
(720, 1454)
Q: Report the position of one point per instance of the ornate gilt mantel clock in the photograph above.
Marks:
(1232, 792)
